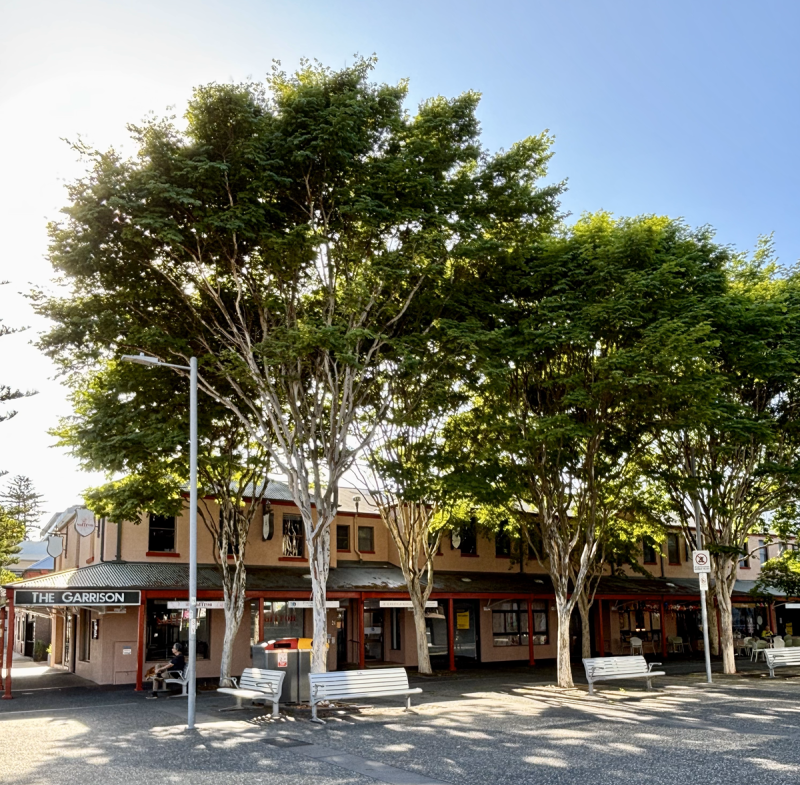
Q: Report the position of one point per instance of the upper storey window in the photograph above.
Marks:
(293, 538)
(649, 552)
(673, 549)
(162, 533)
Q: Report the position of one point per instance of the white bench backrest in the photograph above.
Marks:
(359, 683)
(615, 666)
(782, 655)
(254, 679)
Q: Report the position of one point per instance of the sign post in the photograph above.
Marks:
(701, 564)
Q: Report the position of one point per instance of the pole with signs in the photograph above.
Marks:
(192, 541)
(701, 563)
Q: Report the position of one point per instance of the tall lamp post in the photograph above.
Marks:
(143, 359)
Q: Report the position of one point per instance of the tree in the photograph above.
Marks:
(781, 573)
(592, 348)
(134, 421)
(286, 238)
(22, 503)
(739, 456)
(8, 393)
(12, 533)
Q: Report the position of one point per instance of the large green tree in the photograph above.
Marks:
(739, 456)
(284, 236)
(594, 346)
(132, 423)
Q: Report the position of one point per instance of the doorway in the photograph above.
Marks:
(467, 638)
(373, 632)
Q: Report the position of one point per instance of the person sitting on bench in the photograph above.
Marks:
(177, 663)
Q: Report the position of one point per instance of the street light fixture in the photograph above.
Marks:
(144, 359)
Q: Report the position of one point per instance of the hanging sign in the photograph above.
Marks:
(701, 561)
(84, 522)
(792, 605)
(210, 605)
(703, 577)
(55, 546)
(77, 597)
(310, 603)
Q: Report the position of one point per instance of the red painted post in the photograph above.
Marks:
(9, 642)
(2, 648)
(601, 642)
(140, 642)
(663, 630)
(531, 660)
(360, 612)
(260, 619)
(451, 637)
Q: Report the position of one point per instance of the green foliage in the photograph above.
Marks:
(12, 533)
(22, 503)
(782, 574)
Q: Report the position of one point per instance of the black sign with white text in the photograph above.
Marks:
(59, 597)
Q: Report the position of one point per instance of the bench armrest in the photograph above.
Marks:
(266, 685)
(175, 675)
(315, 689)
(651, 664)
(235, 682)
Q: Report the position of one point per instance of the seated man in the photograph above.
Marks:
(177, 663)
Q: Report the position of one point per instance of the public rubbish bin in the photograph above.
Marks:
(295, 662)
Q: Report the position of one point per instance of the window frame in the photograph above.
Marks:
(342, 527)
(517, 615)
(651, 546)
(151, 544)
(371, 530)
(672, 537)
(295, 522)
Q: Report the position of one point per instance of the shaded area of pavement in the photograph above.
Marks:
(475, 728)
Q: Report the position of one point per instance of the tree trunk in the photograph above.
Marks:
(713, 627)
(318, 557)
(423, 655)
(234, 590)
(563, 660)
(723, 591)
(585, 608)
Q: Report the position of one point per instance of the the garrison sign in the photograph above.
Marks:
(57, 597)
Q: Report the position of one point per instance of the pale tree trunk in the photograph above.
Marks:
(319, 564)
(563, 660)
(713, 628)
(725, 578)
(585, 610)
(234, 596)
(423, 655)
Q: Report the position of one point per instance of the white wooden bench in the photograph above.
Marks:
(778, 658)
(609, 668)
(344, 685)
(256, 684)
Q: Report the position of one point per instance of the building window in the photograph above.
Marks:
(744, 562)
(504, 546)
(366, 539)
(673, 549)
(395, 619)
(343, 538)
(162, 533)
(763, 551)
(466, 540)
(293, 537)
(649, 552)
(510, 623)
(86, 635)
(166, 626)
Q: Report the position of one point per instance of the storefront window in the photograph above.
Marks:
(166, 626)
(281, 621)
(510, 623)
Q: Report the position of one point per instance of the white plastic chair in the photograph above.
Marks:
(778, 643)
(675, 644)
(748, 644)
(636, 643)
(758, 648)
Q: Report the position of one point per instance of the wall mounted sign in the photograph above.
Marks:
(84, 522)
(310, 604)
(55, 546)
(95, 629)
(406, 604)
(60, 597)
(209, 605)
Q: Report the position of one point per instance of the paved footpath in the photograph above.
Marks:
(478, 729)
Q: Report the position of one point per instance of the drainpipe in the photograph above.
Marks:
(118, 556)
(357, 501)
(102, 539)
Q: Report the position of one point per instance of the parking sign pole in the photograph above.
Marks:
(703, 610)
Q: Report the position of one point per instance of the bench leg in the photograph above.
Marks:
(314, 717)
(772, 673)
(275, 710)
(649, 684)
(591, 688)
(408, 705)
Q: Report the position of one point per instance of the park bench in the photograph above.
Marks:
(179, 677)
(609, 668)
(778, 658)
(345, 685)
(256, 684)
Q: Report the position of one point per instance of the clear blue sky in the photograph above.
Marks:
(680, 108)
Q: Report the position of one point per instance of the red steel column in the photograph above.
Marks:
(9, 641)
(663, 630)
(531, 660)
(360, 612)
(140, 642)
(601, 641)
(2, 641)
(451, 637)
(260, 626)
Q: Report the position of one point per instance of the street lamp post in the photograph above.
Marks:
(143, 359)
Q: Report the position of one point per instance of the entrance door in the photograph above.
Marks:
(341, 637)
(373, 634)
(30, 635)
(466, 629)
(67, 658)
